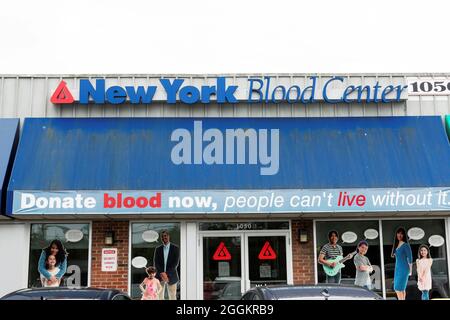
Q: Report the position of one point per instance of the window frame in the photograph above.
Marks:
(89, 222)
(182, 224)
(445, 220)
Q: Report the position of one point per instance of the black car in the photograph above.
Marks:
(310, 292)
(64, 293)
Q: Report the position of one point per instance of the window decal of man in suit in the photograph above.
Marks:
(166, 260)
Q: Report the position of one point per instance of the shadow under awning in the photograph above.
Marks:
(9, 136)
(447, 125)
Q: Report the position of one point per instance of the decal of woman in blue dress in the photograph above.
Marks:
(401, 251)
(57, 250)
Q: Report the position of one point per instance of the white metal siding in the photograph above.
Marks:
(14, 249)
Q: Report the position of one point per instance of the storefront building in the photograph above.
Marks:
(246, 173)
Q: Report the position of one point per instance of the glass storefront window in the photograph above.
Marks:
(350, 234)
(75, 240)
(145, 238)
(222, 268)
(428, 232)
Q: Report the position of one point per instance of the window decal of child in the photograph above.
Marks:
(150, 287)
(363, 266)
(424, 264)
(52, 269)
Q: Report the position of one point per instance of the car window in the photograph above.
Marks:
(61, 294)
(351, 298)
(303, 298)
(19, 297)
(248, 296)
(120, 297)
(230, 290)
(256, 297)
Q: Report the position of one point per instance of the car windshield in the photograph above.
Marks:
(57, 294)
(351, 298)
(321, 293)
(302, 298)
(65, 298)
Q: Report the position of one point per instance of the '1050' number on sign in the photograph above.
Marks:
(429, 87)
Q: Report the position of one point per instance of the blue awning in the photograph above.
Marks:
(9, 135)
(61, 154)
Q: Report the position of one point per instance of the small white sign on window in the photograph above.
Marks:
(109, 259)
(265, 271)
(224, 269)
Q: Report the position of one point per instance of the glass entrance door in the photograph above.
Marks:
(222, 267)
(234, 262)
(266, 257)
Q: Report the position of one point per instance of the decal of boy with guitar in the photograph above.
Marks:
(331, 258)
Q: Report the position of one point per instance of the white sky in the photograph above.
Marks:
(230, 36)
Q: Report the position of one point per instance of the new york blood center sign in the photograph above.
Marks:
(232, 201)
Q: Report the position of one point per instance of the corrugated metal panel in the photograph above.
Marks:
(314, 153)
(429, 105)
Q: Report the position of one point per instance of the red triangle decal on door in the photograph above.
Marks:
(267, 252)
(222, 253)
(62, 94)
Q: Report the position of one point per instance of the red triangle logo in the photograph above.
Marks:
(222, 253)
(62, 94)
(267, 252)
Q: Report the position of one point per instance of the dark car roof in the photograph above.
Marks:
(287, 292)
(62, 293)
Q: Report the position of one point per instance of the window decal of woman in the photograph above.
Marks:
(56, 249)
(401, 251)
